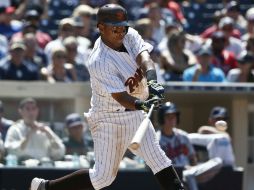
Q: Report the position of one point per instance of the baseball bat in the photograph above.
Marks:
(136, 140)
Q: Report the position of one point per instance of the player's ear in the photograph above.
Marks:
(101, 27)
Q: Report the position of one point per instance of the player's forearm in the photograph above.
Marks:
(125, 100)
(145, 61)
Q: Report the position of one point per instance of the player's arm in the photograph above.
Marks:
(147, 65)
(133, 103)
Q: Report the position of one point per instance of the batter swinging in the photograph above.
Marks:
(124, 85)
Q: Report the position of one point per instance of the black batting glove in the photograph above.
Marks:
(146, 105)
(155, 89)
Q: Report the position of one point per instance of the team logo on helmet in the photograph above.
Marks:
(120, 15)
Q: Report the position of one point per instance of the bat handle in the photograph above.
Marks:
(150, 111)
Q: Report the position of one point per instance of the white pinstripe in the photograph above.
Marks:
(111, 126)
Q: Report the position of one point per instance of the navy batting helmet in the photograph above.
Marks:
(112, 14)
(166, 108)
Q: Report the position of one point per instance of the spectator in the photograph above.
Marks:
(77, 142)
(27, 27)
(245, 72)
(8, 26)
(233, 10)
(214, 26)
(79, 28)
(174, 141)
(41, 6)
(144, 28)
(84, 44)
(233, 42)
(66, 28)
(226, 24)
(176, 10)
(222, 58)
(15, 67)
(86, 12)
(4, 123)
(28, 138)
(250, 25)
(33, 54)
(58, 69)
(32, 24)
(157, 22)
(171, 26)
(204, 71)
(34, 17)
(175, 59)
(192, 42)
(71, 45)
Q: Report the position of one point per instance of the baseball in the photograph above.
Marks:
(221, 125)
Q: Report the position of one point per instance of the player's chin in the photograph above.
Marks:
(119, 41)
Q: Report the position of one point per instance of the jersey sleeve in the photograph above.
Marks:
(190, 147)
(135, 43)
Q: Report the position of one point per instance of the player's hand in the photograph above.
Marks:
(155, 89)
(146, 105)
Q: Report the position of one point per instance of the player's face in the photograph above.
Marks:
(113, 35)
(170, 120)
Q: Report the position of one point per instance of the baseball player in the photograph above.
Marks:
(124, 85)
(174, 141)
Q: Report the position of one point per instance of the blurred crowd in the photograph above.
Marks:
(32, 48)
(34, 140)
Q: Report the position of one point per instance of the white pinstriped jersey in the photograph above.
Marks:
(111, 126)
(112, 71)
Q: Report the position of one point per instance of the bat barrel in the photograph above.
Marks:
(136, 140)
